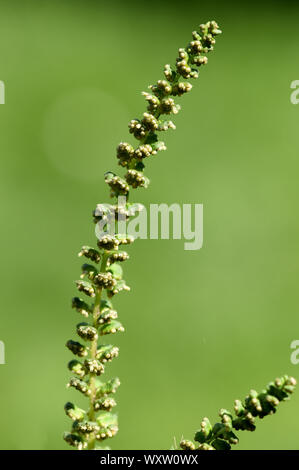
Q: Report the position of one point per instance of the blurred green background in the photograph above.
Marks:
(202, 327)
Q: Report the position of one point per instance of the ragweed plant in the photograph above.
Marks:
(221, 435)
(103, 279)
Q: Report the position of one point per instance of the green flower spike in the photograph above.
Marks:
(221, 435)
(98, 423)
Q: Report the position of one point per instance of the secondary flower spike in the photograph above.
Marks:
(221, 435)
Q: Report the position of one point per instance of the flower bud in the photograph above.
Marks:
(182, 65)
(183, 54)
(165, 125)
(87, 332)
(196, 36)
(205, 446)
(199, 60)
(112, 327)
(89, 271)
(194, 73)
(106, 316)
(79, 385)
(208, 42)
(94, 367)
(168, 106)
(119, 286)
(118, 185)
(107, 352)
(85, 427)
(86, 287)
(162, 88)
(187, 445)
(170, 73)
(124, 239)
(244, 422)
(77, 348)
(213, 28)
(181, 88)
(118, 256)
(77, 368)
(153, 101)
(253, 404)
(149, 122)
(105, 280)
(81, 306)
(239, 408)
(104, 404)
(125, 153)
(74, 440)
(282, 387)
(73, 412)
(226, 419)
(108, 242)
(195, 47)
(143, 151)
(136, 179)
(105, 433)
(137, 129)
(90, 253)
(205, 431)
(159, 146)
(102, 213)
(121, 212)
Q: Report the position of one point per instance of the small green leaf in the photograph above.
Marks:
(105, 303)
(151, 138)
(116, 271)
(77, 368)
(106, 419)
(106, 388)
(111, 327)
(74, 440)
(86, 287)
(106, 352)
(220, 444)
(119, 286)
(73, 412)
(81, 306)
(200, 437)
(89, 271)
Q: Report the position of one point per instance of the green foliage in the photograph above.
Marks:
(221, 435)
(98, 423)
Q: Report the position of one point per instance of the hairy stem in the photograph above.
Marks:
(93, 353)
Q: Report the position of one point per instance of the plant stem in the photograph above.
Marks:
(93, 352)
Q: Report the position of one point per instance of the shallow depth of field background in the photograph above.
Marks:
(202, 327)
